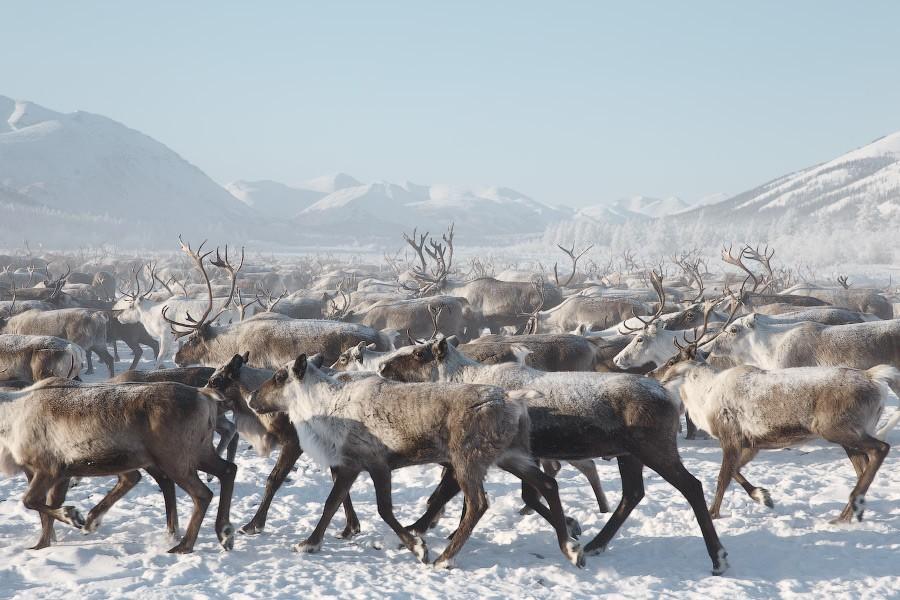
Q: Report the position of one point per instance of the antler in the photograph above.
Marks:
(531, 324)
(435, 312)
(418, 246)
(571, 254)
(842, 280)
(336, 314)
(225, 264)
(656, 280)
(764, 258)
(738, 262)
(194, 324)
(270, 303)
(440, 253)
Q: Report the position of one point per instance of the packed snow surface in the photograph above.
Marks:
(790, 551)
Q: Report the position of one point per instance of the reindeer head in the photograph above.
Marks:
(353, 357)
(289, 382)
(417, 363)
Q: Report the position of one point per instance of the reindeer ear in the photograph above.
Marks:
(299, 366)
(751, 321)
(246, 357)
(453, 341)
(440, 348)
(317, 360)
(361, 346)
(237, 361)
(370, 346)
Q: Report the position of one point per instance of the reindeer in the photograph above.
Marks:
(236, 381)
(748, 409)
(58, 429)
(750, 340)
(81, 326)
(35, 357)
(578, 416)
(377, 426)
(269, 337)
(138, 306)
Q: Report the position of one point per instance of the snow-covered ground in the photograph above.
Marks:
(789, 551)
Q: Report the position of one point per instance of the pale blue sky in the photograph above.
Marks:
(572, 103)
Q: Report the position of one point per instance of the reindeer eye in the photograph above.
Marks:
(343, 360)
(734, 329)
(640, 340)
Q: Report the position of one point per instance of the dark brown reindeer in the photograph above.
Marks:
(578, 416)
(59, 429)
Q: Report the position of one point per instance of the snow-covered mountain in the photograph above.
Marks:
(383, 210)
(84, 168)
(865, 180)
(274, 199)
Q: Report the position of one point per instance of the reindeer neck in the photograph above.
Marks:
(458, 367)
(696, 384)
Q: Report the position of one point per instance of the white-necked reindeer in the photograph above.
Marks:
(748, 409)
(377, 426)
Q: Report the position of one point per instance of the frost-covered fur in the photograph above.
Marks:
(149, 313)
(236, 381)
(361, 357)
(83, 327)
(753, 341)
(749, 409)
(274, 339)
(58, 429)
(376, 425)
(34, 357)
(578, 416)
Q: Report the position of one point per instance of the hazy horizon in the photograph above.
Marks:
(574, 107)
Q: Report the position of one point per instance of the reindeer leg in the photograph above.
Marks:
(126, 481)
(551, 468)
(106, 357)
(55, 497)
(759, 494)
(167, 486)
(225, 472)
(667, 463)
(630, 469)
(381, 479)
(343, 481)
(290, 452)
(539, 482)
(202, 496)
(476, 504)
(445, 491)
(875, 451)
(90, 362)
(36, 499)
(730, 458)
(136, 352)
(352, 527)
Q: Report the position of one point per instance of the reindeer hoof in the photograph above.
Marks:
(720, 565)
(92, 523)
(420, 549)
(573, 527)
(73, 516)
(349, 532)
(574, 553)
(526, 511)
(443, 563)
(308, 547)
(251, 528)
(40, 545)
(182, 548)
(763, 496)
(226, 537)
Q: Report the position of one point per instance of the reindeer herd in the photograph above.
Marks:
(374, 367)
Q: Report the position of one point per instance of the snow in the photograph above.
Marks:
(787, 551)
